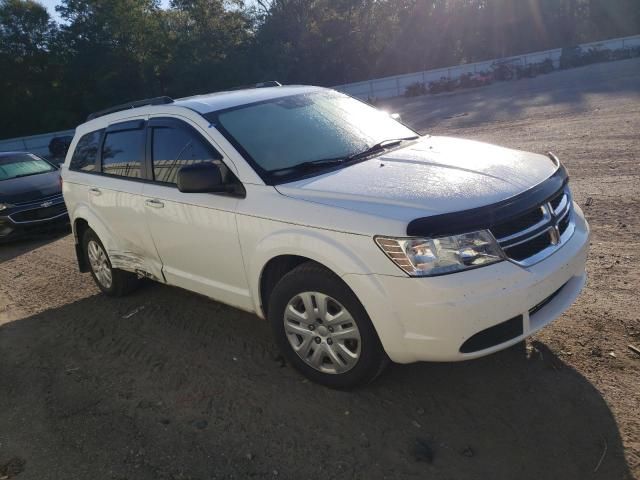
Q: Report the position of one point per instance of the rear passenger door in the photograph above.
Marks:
(116, 199)
(195, 234)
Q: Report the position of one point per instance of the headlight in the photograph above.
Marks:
(424, 257)
(4, 206)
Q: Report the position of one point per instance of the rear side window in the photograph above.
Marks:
(84, 156)
(123, 153)
(173, 148)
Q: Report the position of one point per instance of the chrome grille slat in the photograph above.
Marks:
(527, 238)
(564, 204)
(526, 232)
(544, 237)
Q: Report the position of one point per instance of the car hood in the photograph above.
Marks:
(30, 188)
(432, 176)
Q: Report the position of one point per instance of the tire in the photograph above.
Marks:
(332, 352)
(121, 282)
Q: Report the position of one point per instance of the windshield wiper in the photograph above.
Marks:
(379, 146)
(311, 165)
(330, 162)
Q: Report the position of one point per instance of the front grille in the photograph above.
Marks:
(518, 224)
(529, 248)
(557, 199)
(564, 224)
(532, 236)
(39, 213)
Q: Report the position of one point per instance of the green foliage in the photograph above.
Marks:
(26, 32)
(106, 52)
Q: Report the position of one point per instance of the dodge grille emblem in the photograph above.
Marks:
(46, 204)
(554, 231)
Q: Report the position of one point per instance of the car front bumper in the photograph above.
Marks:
(474, 313)
(33, 219)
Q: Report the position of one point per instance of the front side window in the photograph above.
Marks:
(86, 152)
(288, 131)
(175, 147)
(23, 165)
(123, 153)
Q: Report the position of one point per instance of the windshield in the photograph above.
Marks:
(22, 165)
(284, 132)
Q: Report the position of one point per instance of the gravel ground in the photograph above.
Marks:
(165, 384)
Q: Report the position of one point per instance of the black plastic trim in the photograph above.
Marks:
(128, 125)
(485, 217)
(492, 336)
(82, 262)
(126, 106)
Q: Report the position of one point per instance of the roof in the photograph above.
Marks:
(202, 104)
(222, 100)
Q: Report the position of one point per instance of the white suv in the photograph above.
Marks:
(359, 240)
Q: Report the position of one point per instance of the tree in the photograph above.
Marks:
(26, 83)
(110, 51)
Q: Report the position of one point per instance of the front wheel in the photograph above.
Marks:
(111, 281)
(323, 329)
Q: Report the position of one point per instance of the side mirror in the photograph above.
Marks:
(396, 116)
(201, 178)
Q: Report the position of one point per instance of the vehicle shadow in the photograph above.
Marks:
(15, 248)
(168, 384)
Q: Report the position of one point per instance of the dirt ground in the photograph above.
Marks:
(165, 384)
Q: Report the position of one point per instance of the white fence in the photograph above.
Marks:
(38, 144)
(396, 85)
(386, 87)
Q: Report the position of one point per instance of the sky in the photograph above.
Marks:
(50, 4)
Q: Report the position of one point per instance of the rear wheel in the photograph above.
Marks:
(323, 330)
(111, 281)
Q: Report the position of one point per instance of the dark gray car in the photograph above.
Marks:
(30, 196)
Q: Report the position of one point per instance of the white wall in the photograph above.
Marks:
(38, 144)
(395, 86)
(386, 87)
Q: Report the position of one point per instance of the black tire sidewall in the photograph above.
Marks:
(312, 278)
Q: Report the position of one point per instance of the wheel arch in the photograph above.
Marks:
(80, 225)
(84, 219)
(273, 271)
(280, 253)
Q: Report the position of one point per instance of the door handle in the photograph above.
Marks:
(95, 191)
(154, 203)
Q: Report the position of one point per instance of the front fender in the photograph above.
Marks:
(330, 249)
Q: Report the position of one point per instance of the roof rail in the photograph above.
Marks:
(129, 105)
(267, 84)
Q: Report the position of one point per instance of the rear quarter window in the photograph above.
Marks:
(86, 152)
(123, 153)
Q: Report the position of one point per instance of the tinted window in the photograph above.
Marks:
(173, 148)
(123, 153)
(84, 156)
